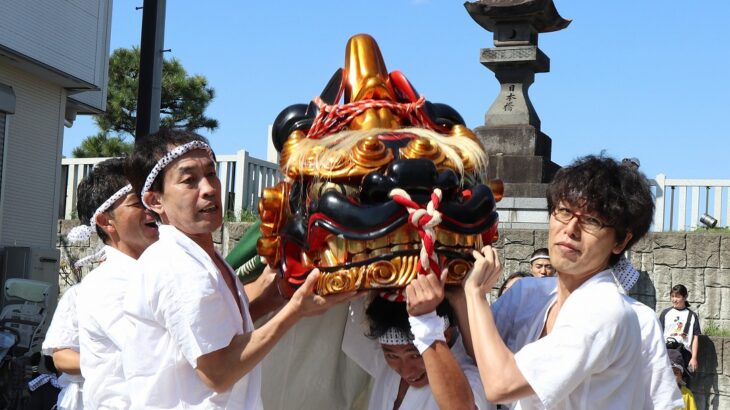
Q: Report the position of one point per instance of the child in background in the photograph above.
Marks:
(675, 357)
(682, 324)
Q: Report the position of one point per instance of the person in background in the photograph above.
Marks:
(62, 343)
(675, 357)
(682, 324)
(540, 263)
(108, 207)
(511, 280)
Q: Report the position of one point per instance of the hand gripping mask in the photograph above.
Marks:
(377, 189)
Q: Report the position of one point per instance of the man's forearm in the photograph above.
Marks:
(448, 383)
(457, 299)
(263, 296)
(67, 361)
(221, 369)
(500, 375)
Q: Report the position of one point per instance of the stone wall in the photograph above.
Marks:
(700, 261)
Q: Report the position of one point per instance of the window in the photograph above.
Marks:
(7, 107)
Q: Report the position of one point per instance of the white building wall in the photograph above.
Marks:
(71, 36)
(31, 175)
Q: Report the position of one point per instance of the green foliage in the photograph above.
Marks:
(183, 102)
(712, 329)
(102, 145)
(246, 215)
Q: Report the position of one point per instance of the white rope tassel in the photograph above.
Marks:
(427, 256)
(96, 257)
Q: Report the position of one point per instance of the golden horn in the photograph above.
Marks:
(366, 78)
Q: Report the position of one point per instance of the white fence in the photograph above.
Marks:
(242, 176)
(681, 202)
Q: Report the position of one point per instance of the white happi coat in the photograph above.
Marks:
(368, 354)
(591, 358)
(103, 329)
(63, 333)
(182, 309)
(538, 294)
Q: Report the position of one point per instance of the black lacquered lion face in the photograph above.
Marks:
(348, 168)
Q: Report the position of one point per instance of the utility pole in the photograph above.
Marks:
(149, 93)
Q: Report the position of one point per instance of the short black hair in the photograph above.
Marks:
(681, 290)
(149, 150)
(540, 252)
(618, 194)
(383, 314)
(512, 276)
(103, 181)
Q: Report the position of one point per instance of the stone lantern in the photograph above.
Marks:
(519, 153)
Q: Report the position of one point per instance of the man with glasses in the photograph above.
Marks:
(581, 346)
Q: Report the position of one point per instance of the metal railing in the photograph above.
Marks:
(681, 202)
(242, 176)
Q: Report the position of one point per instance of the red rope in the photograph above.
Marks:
(334, 118)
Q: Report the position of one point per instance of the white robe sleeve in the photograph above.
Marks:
(64, 330)
(365, 352)
(195, 313)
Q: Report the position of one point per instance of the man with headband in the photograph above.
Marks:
(193, 343)
(414, 352)
(107, 206)
(540, 263)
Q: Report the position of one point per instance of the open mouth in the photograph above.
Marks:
(209, 209)
(389, 261)
(417, 380)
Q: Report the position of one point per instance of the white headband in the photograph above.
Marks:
(534, 258)
(84, 232)
(625, 273)
(167, 159)
(396, 337)
(96, 257)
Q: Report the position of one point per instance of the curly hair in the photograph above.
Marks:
(105, 179)
(383, 314)
(618, 194)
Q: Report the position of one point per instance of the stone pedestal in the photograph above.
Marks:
(519, 153)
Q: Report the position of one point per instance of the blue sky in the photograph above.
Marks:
(634, 78)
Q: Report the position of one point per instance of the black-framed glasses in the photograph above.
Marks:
(590, 224)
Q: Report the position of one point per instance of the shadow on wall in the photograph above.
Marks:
(704, 384)
(644, 290)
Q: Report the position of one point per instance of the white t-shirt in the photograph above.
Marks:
(63, 333)
(102, 330)
(368, 354)
(674, 321)
(181, 309)
(538, 294)
(592, 356)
